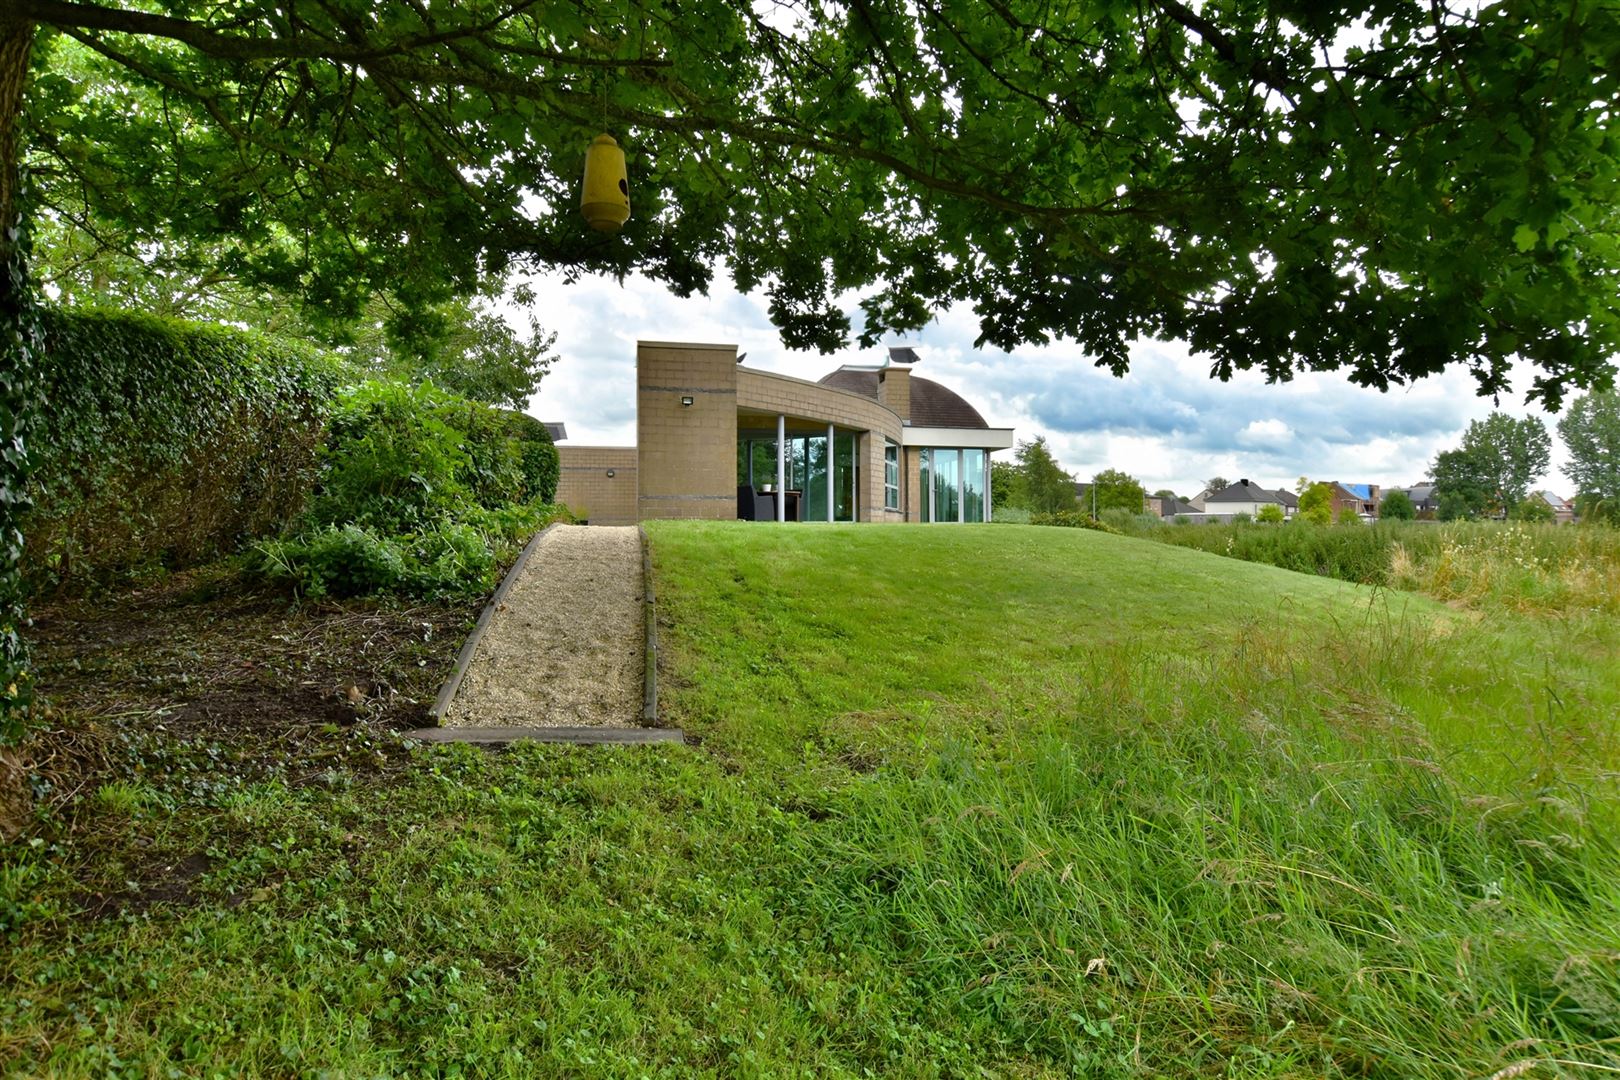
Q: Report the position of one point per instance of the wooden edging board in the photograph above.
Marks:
(447, 692)
(649, 703)
(580, 736)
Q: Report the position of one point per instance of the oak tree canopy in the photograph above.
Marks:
(1387, 187)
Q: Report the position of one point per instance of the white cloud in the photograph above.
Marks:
(1165, 422)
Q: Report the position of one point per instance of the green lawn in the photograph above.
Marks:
(990, 800)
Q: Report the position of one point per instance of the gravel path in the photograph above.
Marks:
(564, 648)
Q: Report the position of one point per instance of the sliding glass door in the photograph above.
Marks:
(953, 484)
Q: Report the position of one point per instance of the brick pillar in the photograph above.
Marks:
(687, 452)
(894, 390)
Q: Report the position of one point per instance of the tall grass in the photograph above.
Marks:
(1526, 567)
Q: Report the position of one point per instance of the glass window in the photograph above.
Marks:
(891, 475)
(973, 485)
(925, 472)
(947, 477)
(815, 478)
(844, 477)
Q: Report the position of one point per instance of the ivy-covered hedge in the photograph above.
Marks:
(167, 443)
(20, 346)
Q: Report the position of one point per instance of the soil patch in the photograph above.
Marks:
(196, 686)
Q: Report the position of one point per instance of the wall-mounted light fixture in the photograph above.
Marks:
(686, 401)
(610, 474)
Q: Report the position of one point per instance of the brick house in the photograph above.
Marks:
(716, 440)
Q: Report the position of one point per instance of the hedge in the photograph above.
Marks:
(167, 443)
(20, 345)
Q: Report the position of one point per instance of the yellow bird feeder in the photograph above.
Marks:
(605, 201)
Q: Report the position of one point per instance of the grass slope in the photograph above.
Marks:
(973, 801)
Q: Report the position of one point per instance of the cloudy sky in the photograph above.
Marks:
(1167, 423)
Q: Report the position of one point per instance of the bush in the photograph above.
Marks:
(1397, 506)
(398, 457)
(1243, 518)
(449, 558)
(422, 493)
(1069, 519)
(1348, 516)
(1270, 514)
(1010, 515)
(166, 443)
(1534, 509)
(1118, 519)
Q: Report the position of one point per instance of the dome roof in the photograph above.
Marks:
(932, 405)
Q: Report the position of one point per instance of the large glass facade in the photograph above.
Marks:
(947, 474)
(973, 485)
(954, 483)
(807, 472)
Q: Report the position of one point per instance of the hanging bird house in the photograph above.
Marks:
(605, 202)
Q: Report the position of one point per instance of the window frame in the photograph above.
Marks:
(891, 475)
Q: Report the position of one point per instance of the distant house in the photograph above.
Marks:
(1290, 501)
(1360, 499)
(1424, 499)
(1170, 507)
(1243, 497)
(1563, 509)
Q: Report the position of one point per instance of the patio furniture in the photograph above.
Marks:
(752, 506)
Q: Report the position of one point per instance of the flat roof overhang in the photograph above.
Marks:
(973, 438)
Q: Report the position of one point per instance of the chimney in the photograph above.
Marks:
(894, 390)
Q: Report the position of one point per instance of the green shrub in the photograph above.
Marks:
(166, 443)
(537, 456)
(399, 457)
(1069, 519)
(1534, 509)
(391, 462)
(1270, 514)
(1397, 506)
(458, 554)
(1010, 515)
(1347, 516)
(1242, 518)
(1118, 518)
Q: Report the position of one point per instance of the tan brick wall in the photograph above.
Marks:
(688, 453)
(586, 489)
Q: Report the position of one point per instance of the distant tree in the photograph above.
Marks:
(1049, 488)
(1007, 487)
(472, 350)
(1462, 485)
(1270, 514)
(1596, 510)
(1216, 483)
(1316, 502)
(1165, 493)
(1397, 506)
(1591, 431)
(1454, 506)
(1499, 459)
(1113, 488)
(1534, 508)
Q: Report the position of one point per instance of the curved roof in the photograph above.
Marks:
(932, 405)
